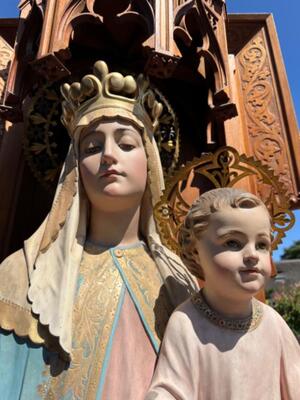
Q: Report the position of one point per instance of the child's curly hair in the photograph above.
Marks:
(197, 220)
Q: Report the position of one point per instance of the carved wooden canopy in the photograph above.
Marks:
(183, 39)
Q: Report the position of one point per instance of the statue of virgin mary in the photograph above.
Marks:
(84, 305)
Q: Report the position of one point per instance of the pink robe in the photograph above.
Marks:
(201, 361)
(129, 372)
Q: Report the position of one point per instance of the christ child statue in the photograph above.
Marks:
(223, 343)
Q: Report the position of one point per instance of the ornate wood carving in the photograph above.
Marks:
(125, 23)
(270, 125)
(214, 9)
(139, 34)
(196, 33)
(264, 125)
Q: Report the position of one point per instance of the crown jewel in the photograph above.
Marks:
(102, 92)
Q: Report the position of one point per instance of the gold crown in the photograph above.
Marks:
(105, 93)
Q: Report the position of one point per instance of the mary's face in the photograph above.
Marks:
(113, 163)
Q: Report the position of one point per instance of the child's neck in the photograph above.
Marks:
(228, 306)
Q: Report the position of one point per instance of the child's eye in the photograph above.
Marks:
(233, 244)
(126, 146)
(262, 246)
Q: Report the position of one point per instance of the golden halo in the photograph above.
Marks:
(224, 168)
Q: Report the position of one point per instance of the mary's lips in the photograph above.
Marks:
(109, 173)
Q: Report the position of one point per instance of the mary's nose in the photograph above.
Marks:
(109, 153)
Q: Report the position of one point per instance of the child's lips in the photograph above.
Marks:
(250, 270)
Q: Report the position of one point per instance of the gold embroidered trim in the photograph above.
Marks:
(146, 283)
(97, 299)
(245, 324)
(19, 320)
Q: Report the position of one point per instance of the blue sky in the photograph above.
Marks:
(286, 15)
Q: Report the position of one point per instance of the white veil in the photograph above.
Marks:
(54, 252)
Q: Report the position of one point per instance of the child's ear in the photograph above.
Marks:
(192, 262)
(197, 265)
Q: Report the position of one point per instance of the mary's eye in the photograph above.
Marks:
(233, 244)
(126, 146)
(92, 149)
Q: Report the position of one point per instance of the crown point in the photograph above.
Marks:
(100, 69)
(130, 85)
(87, 85)
(75, 91)
(64, 89)
(116, 82)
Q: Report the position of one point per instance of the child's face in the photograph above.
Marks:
(234, 251)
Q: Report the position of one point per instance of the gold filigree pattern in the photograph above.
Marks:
(145, 282)
(224, 168)
(240, 325)
(264, 122)
(97, 299)
(45, 141)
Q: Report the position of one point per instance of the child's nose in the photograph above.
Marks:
(250, 255)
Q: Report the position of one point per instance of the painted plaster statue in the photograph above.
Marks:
(223, 343)
(89, 295)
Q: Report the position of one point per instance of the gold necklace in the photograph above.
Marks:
(244, 324)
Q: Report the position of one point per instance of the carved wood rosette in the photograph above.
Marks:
(271, 128)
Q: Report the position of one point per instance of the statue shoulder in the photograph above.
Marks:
(14, 280)
(15, 310)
